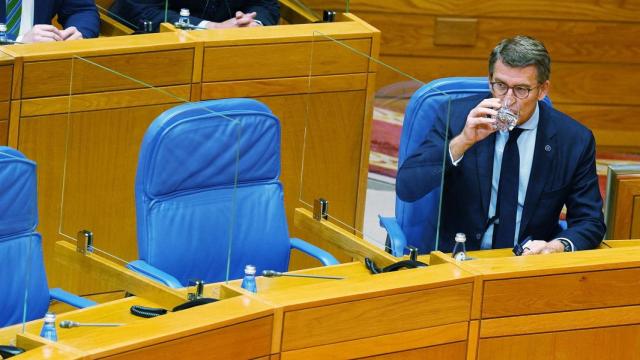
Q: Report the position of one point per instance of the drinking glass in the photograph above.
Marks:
(507, 116)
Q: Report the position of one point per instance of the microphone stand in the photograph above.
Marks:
(272, 273)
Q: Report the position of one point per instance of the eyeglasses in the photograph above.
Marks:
(521, 92)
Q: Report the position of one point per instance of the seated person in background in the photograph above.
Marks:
(212, 14)
(29, 21)
(501, 187)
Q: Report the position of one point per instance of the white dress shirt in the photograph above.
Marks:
(26, 19)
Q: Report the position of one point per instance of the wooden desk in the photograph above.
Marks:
(567, 305)
(289, 318)
(372, 315)
(494, 307)
(6, 71)
(107, 114)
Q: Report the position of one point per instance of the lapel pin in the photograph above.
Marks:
(547, 148)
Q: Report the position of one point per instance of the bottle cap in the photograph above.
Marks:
(249, 270)
(49, 316)
(184, 12)
(461, 237)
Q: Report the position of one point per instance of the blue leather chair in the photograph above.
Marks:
(415, 223)
(22, 272)
(208, 196)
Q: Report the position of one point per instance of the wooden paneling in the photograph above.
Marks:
(4, 110)
(4, 131)
(613, 10)
(105, 100)
(545, 294)
(560, 321)
(453, 351)
(627, 208)
(333, 175)
(635, 216)
(283, 86)
(112, 135)
(107, 73)
(620, 342)
(594, 47)
(353, 320)
(6, 73)
(4, 122)
(302, 59)
(247, 340)
(424, 342)
(416, 35)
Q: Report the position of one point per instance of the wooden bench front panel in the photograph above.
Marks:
(376, 316)
(6, 72)
(107, 73)
(247, 340)
(319, 57)
(565, 292)
(618, 342)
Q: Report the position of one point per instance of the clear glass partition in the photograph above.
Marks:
(354, 166)
(120, 18)
(133, 174)
(140, 160)
(114, 22)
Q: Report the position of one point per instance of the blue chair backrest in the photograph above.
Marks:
(22, 273)
(207, 177)
(419, 220)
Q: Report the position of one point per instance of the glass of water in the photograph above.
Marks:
(507, 116)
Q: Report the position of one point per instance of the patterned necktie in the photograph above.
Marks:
(14, 15)
(507, 203)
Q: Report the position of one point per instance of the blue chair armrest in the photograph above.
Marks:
(153, 273)
(312, 250)
(69, 298)
(397, 240)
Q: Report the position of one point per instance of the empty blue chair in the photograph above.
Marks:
(415, 223)
(207, 186)
(22, 273)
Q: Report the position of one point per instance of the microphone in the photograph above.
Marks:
(67, 324)
(273, 273)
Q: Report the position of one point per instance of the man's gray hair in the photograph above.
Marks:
(521, 51)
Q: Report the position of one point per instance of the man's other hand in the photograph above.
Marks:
(240, 20)
(42, 33)
(71, 33)
(535, 247)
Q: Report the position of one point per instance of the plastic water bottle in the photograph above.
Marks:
(249, 280)
(183, 21)
(49, 327)
(3, 33)
(460, 250)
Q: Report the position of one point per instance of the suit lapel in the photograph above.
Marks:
(484, 166)
(543, 156)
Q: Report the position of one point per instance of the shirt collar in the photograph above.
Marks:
(532, 123)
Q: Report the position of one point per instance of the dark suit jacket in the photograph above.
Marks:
(135, 11)
(563, 173)
(82, 14)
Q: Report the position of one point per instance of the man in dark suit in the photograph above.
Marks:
(212, 14)
(30, 20)
(498, 191)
